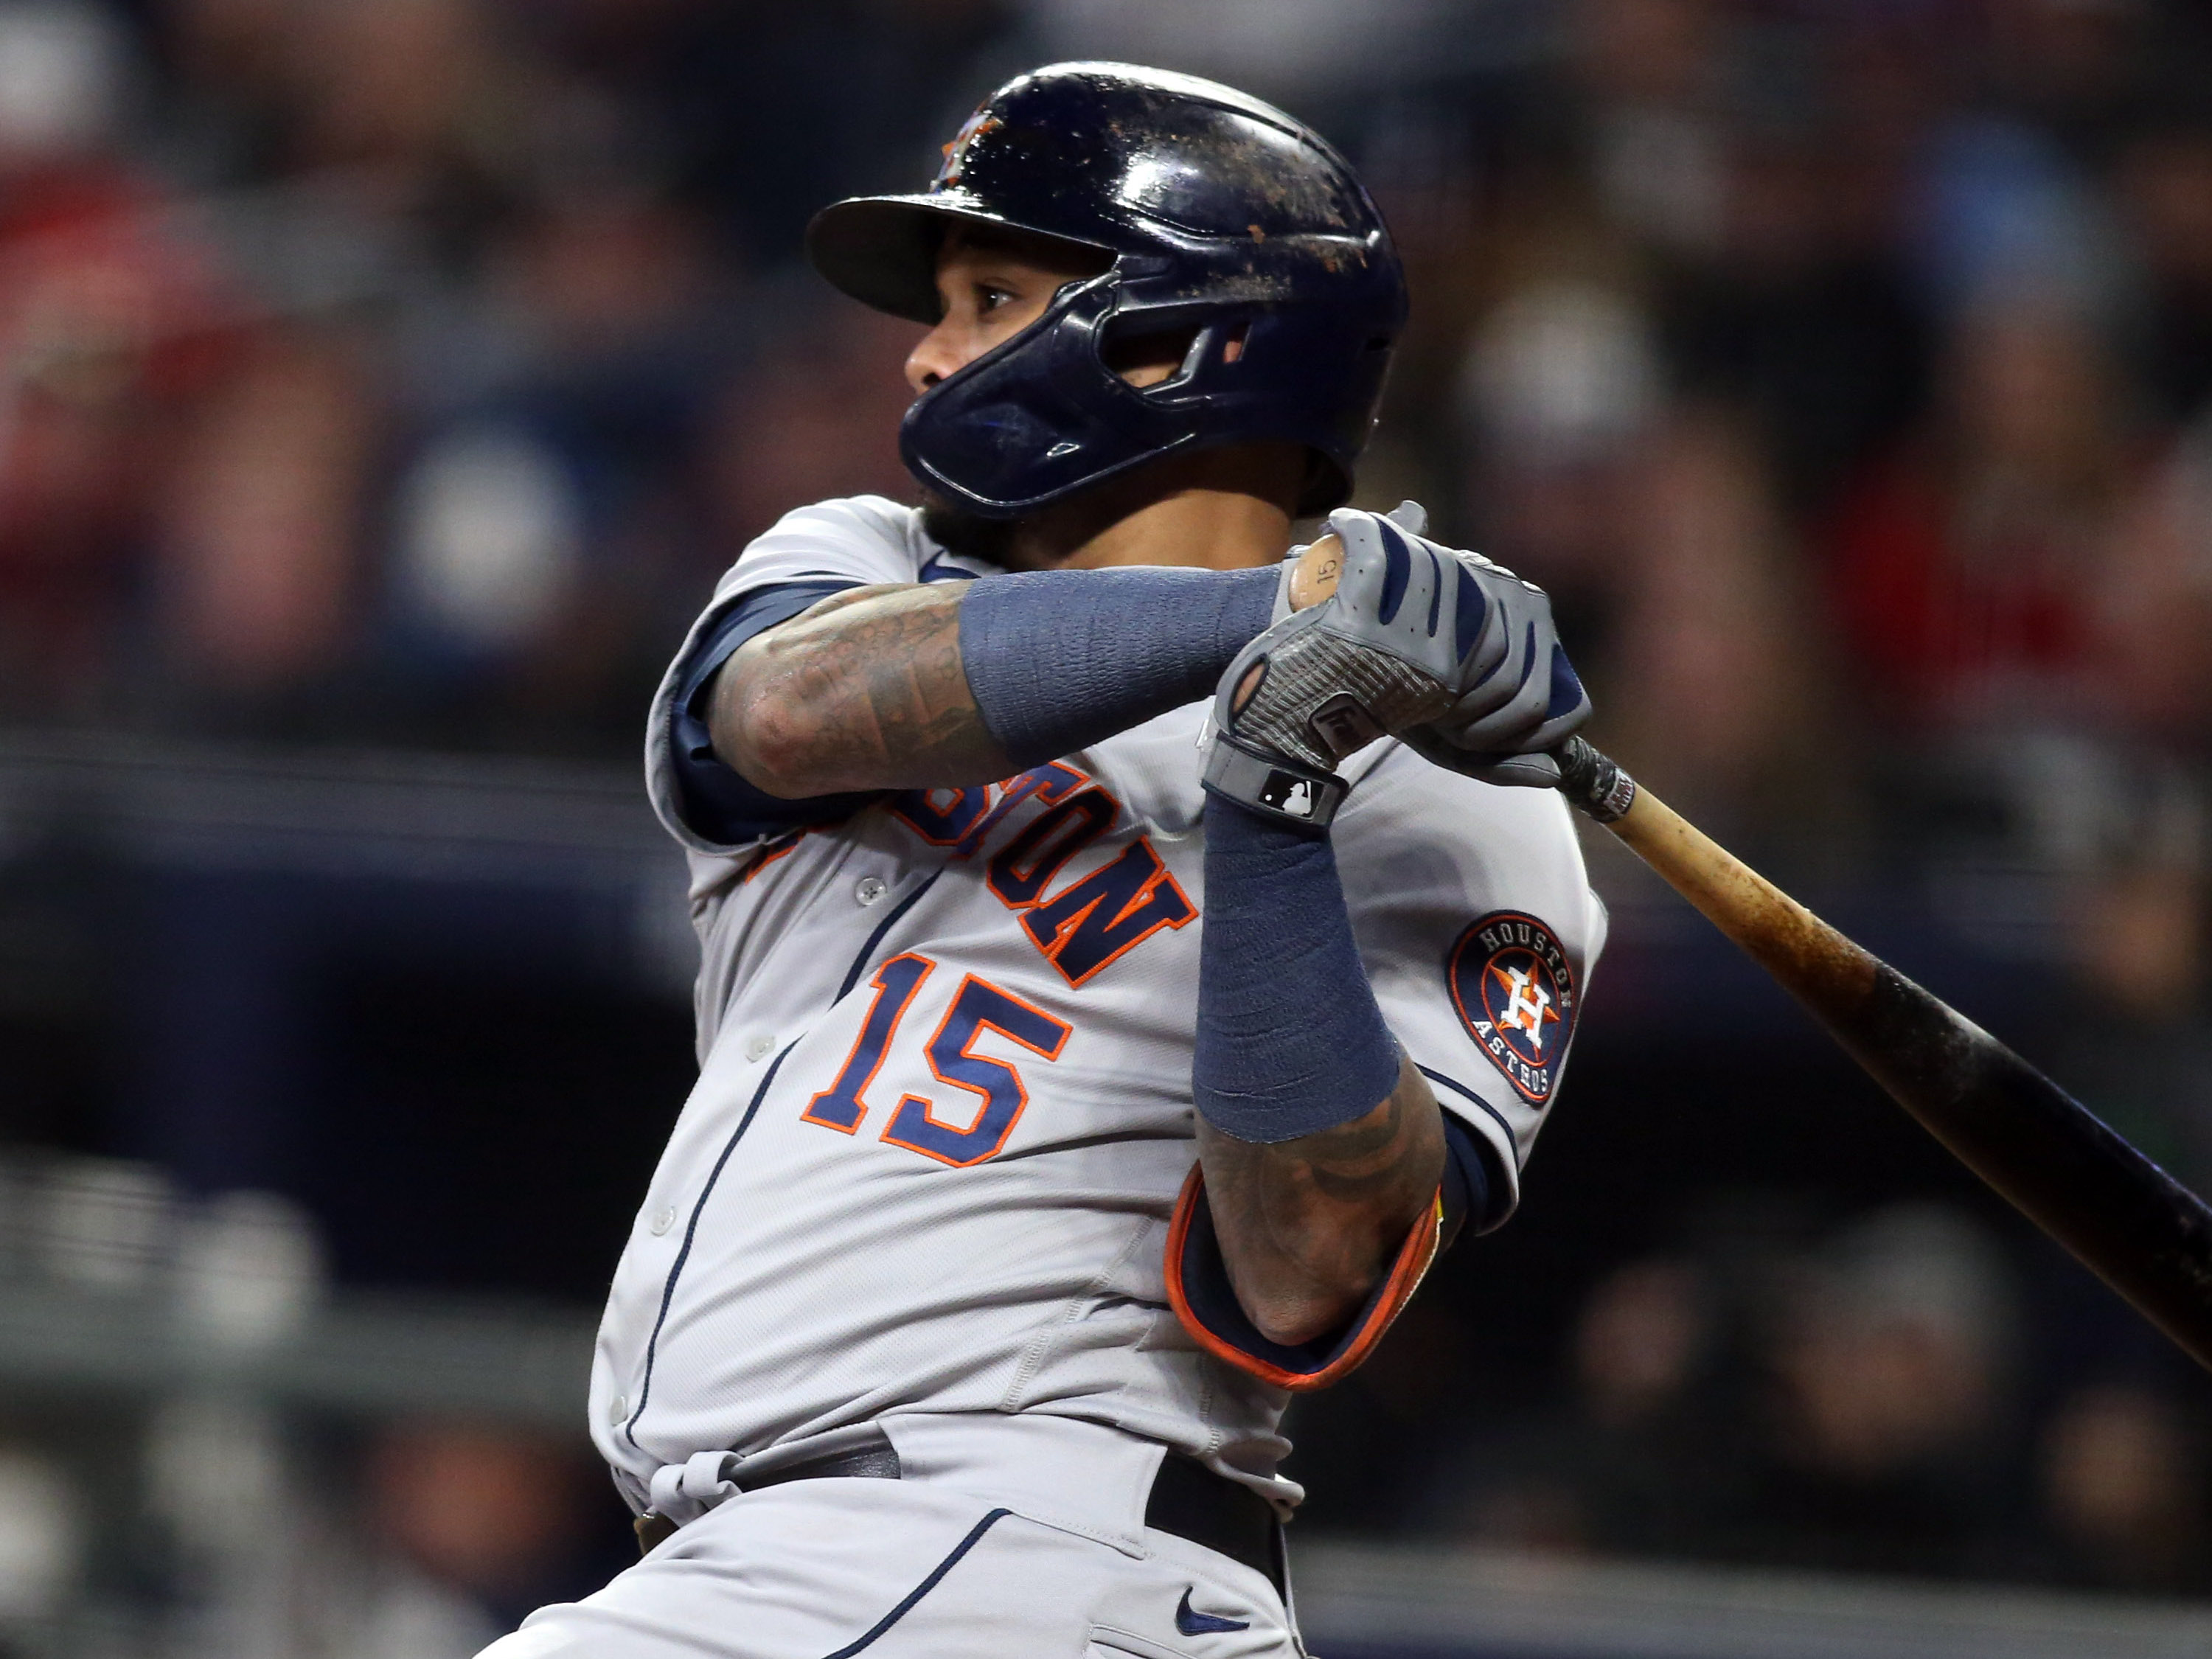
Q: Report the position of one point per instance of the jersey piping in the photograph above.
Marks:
(675, 1269)
(691, 1232)
(868, 951)
(1474, 1099)
(937, 1574)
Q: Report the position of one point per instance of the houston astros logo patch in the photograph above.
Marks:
(1515, 991)
(956, 153)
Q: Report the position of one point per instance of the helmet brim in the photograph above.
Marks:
(882, 250)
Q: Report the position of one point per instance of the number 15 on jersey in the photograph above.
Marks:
(978, 1009)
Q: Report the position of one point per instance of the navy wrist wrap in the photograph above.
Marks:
(1058, 659)
(1289, 1040)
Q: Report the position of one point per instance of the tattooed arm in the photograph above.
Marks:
(962, 683)
(864, 691)
(1309, 1227)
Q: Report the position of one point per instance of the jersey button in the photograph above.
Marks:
(618, 1408)
(870, 888)
(663, 1219)
(757, 1046)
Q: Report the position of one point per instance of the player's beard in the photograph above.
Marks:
(969, 534)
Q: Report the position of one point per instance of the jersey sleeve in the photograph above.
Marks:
(856, 543)
(1478, 931)
(1205, 1302)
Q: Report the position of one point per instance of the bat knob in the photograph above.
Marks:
(1593, 784)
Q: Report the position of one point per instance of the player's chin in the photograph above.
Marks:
(957, 530)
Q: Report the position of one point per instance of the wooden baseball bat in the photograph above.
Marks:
(2126, 1219)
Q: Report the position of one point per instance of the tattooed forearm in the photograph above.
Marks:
(1308, 1227)
(864, 691)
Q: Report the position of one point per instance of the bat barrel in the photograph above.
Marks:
(2126, 1219)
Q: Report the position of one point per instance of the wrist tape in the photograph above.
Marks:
(1058, 659)
(1287, 791)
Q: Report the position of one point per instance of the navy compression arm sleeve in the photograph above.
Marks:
(1468, 1184)
(1058, 659)
(716, 801)
(1289, 1039)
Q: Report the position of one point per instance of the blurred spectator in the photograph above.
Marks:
(1759, 188)
(817, 416)
(482, 1523)
(2165, 180)
(1647, 70)
(417, 107)
(1715, 670)
(258, 522)
(1631, 1461)
(1893, 1366)
(1560, 387)
(110, 323)
(1968, 570)
(1656, 531)
(548, 532)
(2122, 1490)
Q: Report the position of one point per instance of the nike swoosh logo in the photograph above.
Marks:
(1203, 1624)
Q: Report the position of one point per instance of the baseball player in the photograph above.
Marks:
(1124, 965)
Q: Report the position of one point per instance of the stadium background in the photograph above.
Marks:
(382, 385)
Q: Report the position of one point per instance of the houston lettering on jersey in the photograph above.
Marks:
(1515, 991)
(1086, 922)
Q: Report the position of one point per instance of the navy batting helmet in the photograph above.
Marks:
(1223, 216)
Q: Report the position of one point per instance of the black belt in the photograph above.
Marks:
(1191, 1501)
(1188, 1499)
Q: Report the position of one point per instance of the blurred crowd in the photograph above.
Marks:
(404, 372)
(213, 1505)
(1889, 1394)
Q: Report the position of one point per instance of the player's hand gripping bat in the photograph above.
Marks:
(2128, 1221)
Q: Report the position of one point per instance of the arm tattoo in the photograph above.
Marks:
(1308, 1227)
(865, 690)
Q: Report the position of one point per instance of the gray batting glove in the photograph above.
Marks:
(1511, 743)
(1524, 704)
(1413, 634)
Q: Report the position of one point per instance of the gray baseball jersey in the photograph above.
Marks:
(943, 1116)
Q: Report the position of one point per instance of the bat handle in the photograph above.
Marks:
(1593, 783)
(1817, 962)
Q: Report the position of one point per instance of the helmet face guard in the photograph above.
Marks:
(1229, 223)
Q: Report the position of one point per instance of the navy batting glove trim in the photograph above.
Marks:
(1289, 1040)
(1061, 659)
(715, 801)
(1566, 686)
